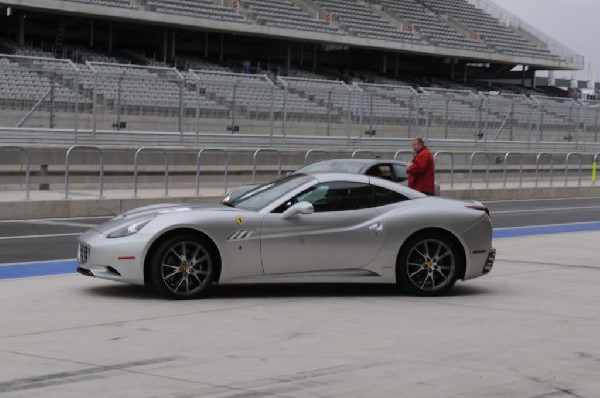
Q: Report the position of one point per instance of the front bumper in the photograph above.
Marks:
(118, 259)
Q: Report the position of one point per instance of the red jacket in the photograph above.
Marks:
(421, 173)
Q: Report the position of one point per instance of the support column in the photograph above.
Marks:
(173, 47)
(222, 48)
(21, 37)
(314, 57)
(165, 45)
(288, 63)
(110, 37)
(206, 45)
(92, 33)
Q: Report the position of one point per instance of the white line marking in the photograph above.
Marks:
(548, 225)
(38, 236)
(40, 262)
(56, 219)
(65, 224)
(540, 199)
(544, 209)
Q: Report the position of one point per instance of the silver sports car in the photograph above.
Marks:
(304, 227)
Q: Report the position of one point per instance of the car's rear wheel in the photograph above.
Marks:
(428, 264)
(183, 267)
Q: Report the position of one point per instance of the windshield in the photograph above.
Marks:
(262, 195)
(333, 166)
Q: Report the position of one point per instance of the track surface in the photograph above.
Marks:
(56, 239)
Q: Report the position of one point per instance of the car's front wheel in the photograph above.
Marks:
(183, 267)
(428, 264)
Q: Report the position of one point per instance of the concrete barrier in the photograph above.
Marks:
(52, 204)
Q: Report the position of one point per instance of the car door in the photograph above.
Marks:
(344, 232)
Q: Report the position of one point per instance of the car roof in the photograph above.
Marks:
(352, 177)
(360, 162)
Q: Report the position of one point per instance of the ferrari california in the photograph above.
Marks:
(313, 227)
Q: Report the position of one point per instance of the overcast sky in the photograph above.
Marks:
(573, 23)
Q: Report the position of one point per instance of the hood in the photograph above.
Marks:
(153, 211)
(164, 208)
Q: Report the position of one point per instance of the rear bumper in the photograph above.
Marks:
(489, 262)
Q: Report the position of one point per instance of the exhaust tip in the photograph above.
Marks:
(84, 271)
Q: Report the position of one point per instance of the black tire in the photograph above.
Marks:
(183, 267)
(429, 264)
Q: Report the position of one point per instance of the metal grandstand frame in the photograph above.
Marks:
(517, 23)
(38, 92)
(122, 89)
(88, 103)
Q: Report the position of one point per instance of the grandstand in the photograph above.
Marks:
(340, 68)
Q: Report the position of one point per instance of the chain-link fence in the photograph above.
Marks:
(97, 97)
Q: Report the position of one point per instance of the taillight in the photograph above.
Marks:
(480, 207)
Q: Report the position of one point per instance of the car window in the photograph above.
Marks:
(263, 195)
(400, 171)
(384, 196)
(334, 196)
(332, 167)
(382, 171)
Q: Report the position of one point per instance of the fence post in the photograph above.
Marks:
(67, 164)
(135, 167)
(278, 152)
(520, 167)
(537, 165)
(435, 156)
(198, 158)
(569, 155)
(326, 153)
(27, 165)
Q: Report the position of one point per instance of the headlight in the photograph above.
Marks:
(129, 229)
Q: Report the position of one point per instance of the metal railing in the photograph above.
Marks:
(135, 168)
(484, 167)
(27, 165)
(225, 170)
(265, 150)
(67, 167)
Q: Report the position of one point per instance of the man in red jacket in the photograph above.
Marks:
(421, 173)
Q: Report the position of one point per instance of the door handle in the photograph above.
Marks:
(376, 227)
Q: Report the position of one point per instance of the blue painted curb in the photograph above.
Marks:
(38, 269)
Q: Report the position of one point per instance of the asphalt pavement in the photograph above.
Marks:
(528, 329)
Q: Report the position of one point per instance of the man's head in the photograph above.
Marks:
(417, 144)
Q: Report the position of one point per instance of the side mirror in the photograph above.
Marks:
(298, 208)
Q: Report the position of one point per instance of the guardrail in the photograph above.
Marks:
(537, 166)
(27, 165)
(520, 155)
(263, 150)
(135, 168)
(569, 155)
(198, 162)
(437, 154)
(480, 166)
(67, 162)
(321, 151)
